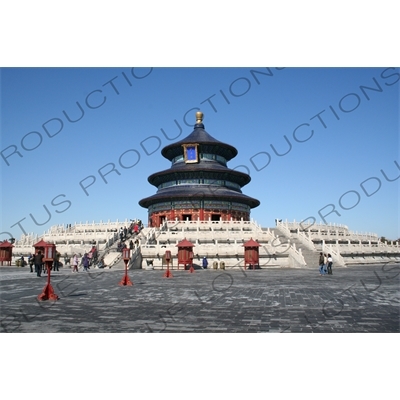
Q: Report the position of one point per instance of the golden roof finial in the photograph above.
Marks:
(199, 117)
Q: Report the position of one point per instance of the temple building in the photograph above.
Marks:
(199, 185)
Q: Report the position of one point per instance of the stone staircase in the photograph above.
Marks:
(310, 256)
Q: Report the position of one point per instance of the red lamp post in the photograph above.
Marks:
(49, 254)
(168, 258)
(125, 281)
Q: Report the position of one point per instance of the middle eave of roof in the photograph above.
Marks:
(177, 171)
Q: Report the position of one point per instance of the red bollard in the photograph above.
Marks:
(125, 281)
(168, 273)
(48, 291)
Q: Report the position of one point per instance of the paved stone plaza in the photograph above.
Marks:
(353, 299)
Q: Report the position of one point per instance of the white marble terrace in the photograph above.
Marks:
(347, 246)
(223, 241)
(220, 241)
(79, 238)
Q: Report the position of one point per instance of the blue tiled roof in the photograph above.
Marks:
(199, 135)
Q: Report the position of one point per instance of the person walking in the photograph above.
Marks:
(330, 262)
(31, 261)
(44, 267)
(125, 233)
(56, 262)
(325, 264)
(39, 263)
(205, 262)
(85, 262)
(94, 254)
(75, 263)
(89, 256)
(321, 264)
(67, 260)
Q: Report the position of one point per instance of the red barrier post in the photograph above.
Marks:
(191, 269)
(168, 273)
(49, 254)
(125, 281)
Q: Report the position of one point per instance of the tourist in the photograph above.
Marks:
(94, 253)
(44, 267)
(131, 245)
(67, 260)
(330, 262)
(125, 233)
(321, 264)
(205, 262)
(101, 263)
(85, 262)
(89, 256)
(31, 261)
(75, 263)
(39, 263)
(325, 264)
(56, 262)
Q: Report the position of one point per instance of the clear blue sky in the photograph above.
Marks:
(254, 112)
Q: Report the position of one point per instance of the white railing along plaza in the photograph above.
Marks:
(75, 238)
(328, 232)
(198, 225)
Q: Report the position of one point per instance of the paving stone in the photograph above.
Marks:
(267, 300)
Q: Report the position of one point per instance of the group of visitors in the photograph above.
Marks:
(121, 245)
(33, 262)
(88, 260)
(136, 226)
(123, 233)
(36, 261)
(134, 229)
(133, 244)
(325, 264)
(85, 262)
